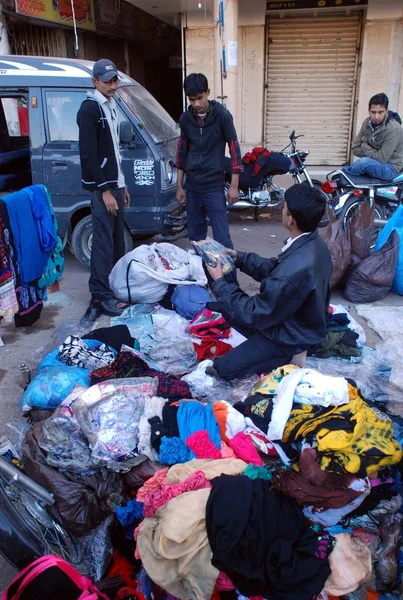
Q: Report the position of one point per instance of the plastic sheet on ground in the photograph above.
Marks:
(59, 334)
(372, 375)
(212, 389)
(109, 413)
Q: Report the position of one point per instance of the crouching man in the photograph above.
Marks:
(288, 315)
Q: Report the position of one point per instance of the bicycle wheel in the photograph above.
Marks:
(28, 531)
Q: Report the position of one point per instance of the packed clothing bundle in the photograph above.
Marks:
(178, 485)
(31, 254)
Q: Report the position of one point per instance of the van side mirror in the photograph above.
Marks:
(126, 133)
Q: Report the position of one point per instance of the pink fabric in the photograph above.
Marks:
(200, 443)
(154, 483)
(223, 583)
(157, 498)
(136, 533)
(226, 451)
(243, 447)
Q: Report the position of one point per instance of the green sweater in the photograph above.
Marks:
(385, 143)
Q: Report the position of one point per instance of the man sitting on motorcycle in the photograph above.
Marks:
(288, 315)
(379, 143)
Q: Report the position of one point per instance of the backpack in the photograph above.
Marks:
(49, 577)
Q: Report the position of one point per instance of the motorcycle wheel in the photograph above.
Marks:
(28, 531)
(351, 208)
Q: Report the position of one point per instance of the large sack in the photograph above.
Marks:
(372, 279)
(143, 275)
(81, 501)
(338, 241)
(361, 229)
(395, 223)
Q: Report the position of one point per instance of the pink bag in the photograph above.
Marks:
(209, 325)
(39, 566)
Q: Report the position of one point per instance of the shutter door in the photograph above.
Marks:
(311, 78)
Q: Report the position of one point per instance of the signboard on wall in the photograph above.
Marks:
(59, 11)
(108, 16)
(292, 4)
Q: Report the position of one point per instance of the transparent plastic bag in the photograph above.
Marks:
(139, 322)
(175, 358)
(96, 550)
(17, 433)
(212, 389)
(62, 439)
(109, 413)
(58, 335)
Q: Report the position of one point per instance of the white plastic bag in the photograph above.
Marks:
(143, 275)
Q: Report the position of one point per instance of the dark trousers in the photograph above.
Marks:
(108, 244)
(213, 204)
(256, 355)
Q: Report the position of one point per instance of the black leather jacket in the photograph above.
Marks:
(291, 307)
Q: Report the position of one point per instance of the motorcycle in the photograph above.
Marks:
(260, 191)
(347, 192)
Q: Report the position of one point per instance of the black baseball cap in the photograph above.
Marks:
(104, 70)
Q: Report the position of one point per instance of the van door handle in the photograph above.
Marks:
(59, 163)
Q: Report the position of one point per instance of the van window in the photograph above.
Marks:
(62, 108)
(155, 119)
(15, 112)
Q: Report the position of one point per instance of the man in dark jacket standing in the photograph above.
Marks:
(102, 175)
(288, 315)
(206, 128)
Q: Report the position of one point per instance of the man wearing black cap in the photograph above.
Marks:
(102, 175)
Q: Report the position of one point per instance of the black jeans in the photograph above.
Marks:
(256, 355)
(108, 244)
(213, 203)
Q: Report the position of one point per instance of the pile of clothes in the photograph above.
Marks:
(31, 254)
(342, 339)
(179, 485)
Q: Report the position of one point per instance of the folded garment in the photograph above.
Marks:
(74, 352)
(173, 451)
(209, 349)
(115, 336)
(194, 416)
(314, 487)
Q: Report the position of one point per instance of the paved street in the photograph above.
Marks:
(61, 315)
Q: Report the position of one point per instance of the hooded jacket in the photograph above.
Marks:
(99, 169)
(201, 147)
(383, 143)
(291, 306)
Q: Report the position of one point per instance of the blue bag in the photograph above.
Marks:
(54, 381)
(395, 223)
(190, 300)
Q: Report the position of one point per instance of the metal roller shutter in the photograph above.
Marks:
(310, 83)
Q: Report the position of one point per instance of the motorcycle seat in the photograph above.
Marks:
(359, 180)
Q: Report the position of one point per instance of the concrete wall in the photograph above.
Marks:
(382, 56)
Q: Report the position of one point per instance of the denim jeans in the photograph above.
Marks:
(198, 206)
(372, 168)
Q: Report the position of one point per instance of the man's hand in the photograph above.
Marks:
(127, 198)
(180, 196)
(216, 272)
(232, 194)
(110, 203)
(233, 253)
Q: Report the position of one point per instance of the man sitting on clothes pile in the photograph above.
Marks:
(288, 315)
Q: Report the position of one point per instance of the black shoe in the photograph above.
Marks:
(112, 307)
(92, 313)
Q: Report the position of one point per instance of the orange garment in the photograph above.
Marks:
(154, 483)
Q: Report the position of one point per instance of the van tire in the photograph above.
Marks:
(81, 241)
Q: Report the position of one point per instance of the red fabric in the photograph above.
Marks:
(244, 449)
(208, 326)
(209, 349)
(23, 120)
(257, 153)
(223, 583)
(121, 566)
